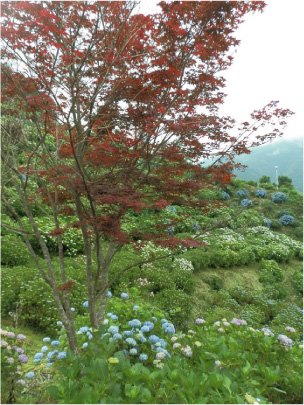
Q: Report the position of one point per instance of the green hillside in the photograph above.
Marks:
(287, 155)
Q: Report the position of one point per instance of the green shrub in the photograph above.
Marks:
(184, 280)
(199, 257)
(241, 295)
(248, 218)
(14, 251)
(214, 281)
(270, 272)
(275, 291)
(224, 258)
(289, 315)
(176, 303)
(297, 281)
(246, 256)
(276, 224)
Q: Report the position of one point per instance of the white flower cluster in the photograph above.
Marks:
(182, 264)
(150, 250)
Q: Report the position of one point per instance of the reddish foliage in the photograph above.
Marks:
(131, 103)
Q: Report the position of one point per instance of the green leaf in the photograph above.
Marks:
(54, 392)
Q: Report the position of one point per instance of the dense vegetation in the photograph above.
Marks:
(222, 322)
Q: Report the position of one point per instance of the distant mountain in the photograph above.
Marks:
(287, 155)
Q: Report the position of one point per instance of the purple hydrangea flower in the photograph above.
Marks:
(285, 340)
(267, 332)
(199, 321)
(290, 329)
(23, 358)
(21, 337)
(3, 343)
(10, 335)
(124, 295)
(18, 349)
(238, 321)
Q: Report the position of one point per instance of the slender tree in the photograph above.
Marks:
(125, 110)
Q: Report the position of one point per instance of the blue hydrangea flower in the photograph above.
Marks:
(162, 342)
(279, 197)
(287, 219)
(128, 333)
(261, 193)
(109, 314)
(149, 324)
(55, 343)
(169, 328)
(124, 295)
(245, 202)
(109, 294)
(85, 345)
(130, 341)
(89, 336)
(162, 350)
(117, 336)
(38, 356)
(153, 339)
(135, 323)
(145, 328)
(143, 339)
(113, 329)
(154, 319)
(49, 364)
(86, 304)
(225, 196)
(114, 317)
(242, 193)
(136, 307)
(164, 321)
(133, 352)
(83, 329)
(29, 375)
(72, 309)
(143, 357)
(46, 339)
(61, 355)
(44, 349)
(59, 323)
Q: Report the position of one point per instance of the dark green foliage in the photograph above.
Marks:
(183, 280)
(214, 281)
(176, 303)
(199, 257)
(276, 224)
(13, 250)
(270, 272)
(284, 181)
(297, 281)
(264, 179)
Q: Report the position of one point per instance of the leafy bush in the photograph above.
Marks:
(279, 197)
(199, 257)
(240, 365)
(246, 256)
(224, 258)
(270, 272)
(176, 303)
(14, 251)
(276, 224)
(183, 280)
(297, 281)
(289, 315)
(214, 281)
(247, 219)
(241, 295)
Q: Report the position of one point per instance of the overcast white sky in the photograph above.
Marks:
(268, 64)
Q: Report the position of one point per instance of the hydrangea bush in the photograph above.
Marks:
(142, 358)
(279, 197)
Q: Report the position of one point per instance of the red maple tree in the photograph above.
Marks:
(125, 108)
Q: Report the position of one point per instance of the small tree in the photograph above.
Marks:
(284, 181)
(265, 180)
(121, 109)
